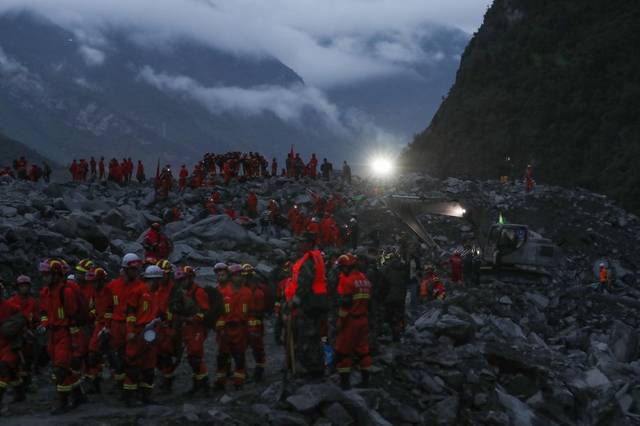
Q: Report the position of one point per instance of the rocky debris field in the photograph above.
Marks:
(498, 353)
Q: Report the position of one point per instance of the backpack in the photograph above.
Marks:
(269, 299)
(216, 307)
(83, 315)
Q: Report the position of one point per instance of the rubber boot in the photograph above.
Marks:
(218, 387)
(62, 406)
(345, 381)
(18, 394)
(145, 396)
(167, 385)
(78, 397)
(365, 379)
(258, 374)
(127, 396)
(205, 386)
(96, 385)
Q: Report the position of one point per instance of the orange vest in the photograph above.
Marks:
(320, 281)
(604, 276)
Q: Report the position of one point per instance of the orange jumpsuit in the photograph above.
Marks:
(29, 307)
(354, 291)
(167, 349)
(56, 317)
(120, 292)
(256, 327)
(140, 360)
(102, 310)
(9, 362)
(231, 334)
(195, 333)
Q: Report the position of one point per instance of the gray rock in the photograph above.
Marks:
(446, 411)
(508, 328)
(114, 218)
(8, 211)
(537, 299)
(337, 414)
(519, 412)
(623, 341)
(66, 227)
(506, 300)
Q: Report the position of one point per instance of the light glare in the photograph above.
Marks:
(381, 166)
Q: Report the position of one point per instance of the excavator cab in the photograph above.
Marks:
(510, 245)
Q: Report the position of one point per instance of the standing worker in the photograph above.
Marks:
(354, 295)
(309, 283)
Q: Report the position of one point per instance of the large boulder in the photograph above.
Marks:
(623, 341)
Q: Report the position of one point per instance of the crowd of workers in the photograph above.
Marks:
(23, 171)
(152, 314)
(143, 320)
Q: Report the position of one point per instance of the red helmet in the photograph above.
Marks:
(346, 260)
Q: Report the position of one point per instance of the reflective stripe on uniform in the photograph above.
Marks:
(63, 388)
(115, 300)
(131, 318)
(128, 386)
(361, 296)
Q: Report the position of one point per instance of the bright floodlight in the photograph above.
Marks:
(458, 211)
(381, 166)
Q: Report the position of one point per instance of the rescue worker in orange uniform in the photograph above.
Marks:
(313, 227)
(120, 289)
(309, 285)
(88, 291)
(140, 360)
(328, 230)
(222, 275)
(431, 284)
(354, 297)
(168, 351)
(102, 310)
(256, 316)
(456, 267)
(28, 305)
(252, 205)
(194, 331)
(603, 277)
(9, 358)
(58, 306)
(182, 177)
(231, 330)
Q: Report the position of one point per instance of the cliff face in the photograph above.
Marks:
(555, 83)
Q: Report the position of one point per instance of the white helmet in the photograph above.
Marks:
(220, 267)
(153, 271)
(131, 259)
(71, 277)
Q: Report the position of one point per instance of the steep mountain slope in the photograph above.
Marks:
(69, 95)
(11, 149)
(403, 104)
(553, 83)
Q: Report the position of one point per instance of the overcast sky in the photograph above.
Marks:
(322, 40)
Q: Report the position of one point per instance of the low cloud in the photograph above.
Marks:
(9, 65)
(92, 57)
(287, 103)
(325, 41)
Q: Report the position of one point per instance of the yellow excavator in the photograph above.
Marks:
(501, 247)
